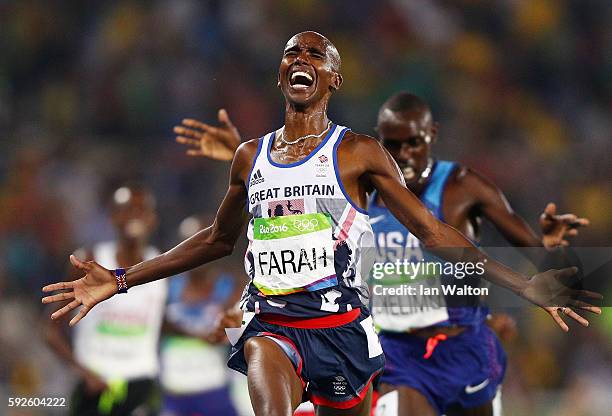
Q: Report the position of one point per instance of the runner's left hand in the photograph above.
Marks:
(549, 291)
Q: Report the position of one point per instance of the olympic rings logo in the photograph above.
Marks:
(306, 224)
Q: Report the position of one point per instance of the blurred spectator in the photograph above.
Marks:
(114, 349)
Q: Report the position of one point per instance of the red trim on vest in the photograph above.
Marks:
(329, 321)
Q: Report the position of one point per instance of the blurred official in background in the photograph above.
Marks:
(114, 351)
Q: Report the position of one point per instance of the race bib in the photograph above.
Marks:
(294, 253)
(400, 304)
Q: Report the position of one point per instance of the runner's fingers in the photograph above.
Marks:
(576, 303)
(58, 286)
(580, 222)
(195, 152)
(581, 293)
(224, 118)
(58, 297)
(82, 312)
(555, 314)
(569, 312)
(567, 272)
(187, 141)
(61, 312)
(565, 218)
(81, 265)
(189, 122)
(183, 131)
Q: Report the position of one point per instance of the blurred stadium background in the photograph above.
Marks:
(89, 92)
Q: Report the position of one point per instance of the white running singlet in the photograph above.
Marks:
(305, 235)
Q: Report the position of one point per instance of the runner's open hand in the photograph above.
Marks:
(557, 227)
(97, 285)
(218, 143)
(549, 291)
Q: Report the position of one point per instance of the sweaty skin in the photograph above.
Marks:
(363, 164)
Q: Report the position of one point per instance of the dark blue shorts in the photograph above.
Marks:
(336, 365)
(465, 369)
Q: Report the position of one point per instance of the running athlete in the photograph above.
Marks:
(442, 360)
(114, 349)
(460, 197)
(307, 333)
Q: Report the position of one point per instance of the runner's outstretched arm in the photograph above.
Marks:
(544, 289)
(210, 244)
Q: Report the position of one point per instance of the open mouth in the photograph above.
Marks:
(301, 80)
(409, 172)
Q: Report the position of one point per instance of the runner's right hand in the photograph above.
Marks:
(97, 285)
(217, 143)
(232, 318)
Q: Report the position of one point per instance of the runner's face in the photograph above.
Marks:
(306, 73)
(133, 215)
(408, 138)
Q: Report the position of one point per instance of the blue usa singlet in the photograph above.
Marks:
(305, 235)
(394, 241)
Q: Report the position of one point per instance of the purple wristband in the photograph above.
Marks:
(121, 280)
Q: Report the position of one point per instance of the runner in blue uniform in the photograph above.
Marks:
(442, 359)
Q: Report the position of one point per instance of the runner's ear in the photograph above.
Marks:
(434, 131)
(336, 81)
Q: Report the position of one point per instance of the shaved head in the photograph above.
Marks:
(330, 49)
(404, 103)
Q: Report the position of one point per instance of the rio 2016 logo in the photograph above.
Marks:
(263, 229)
(306, 224)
